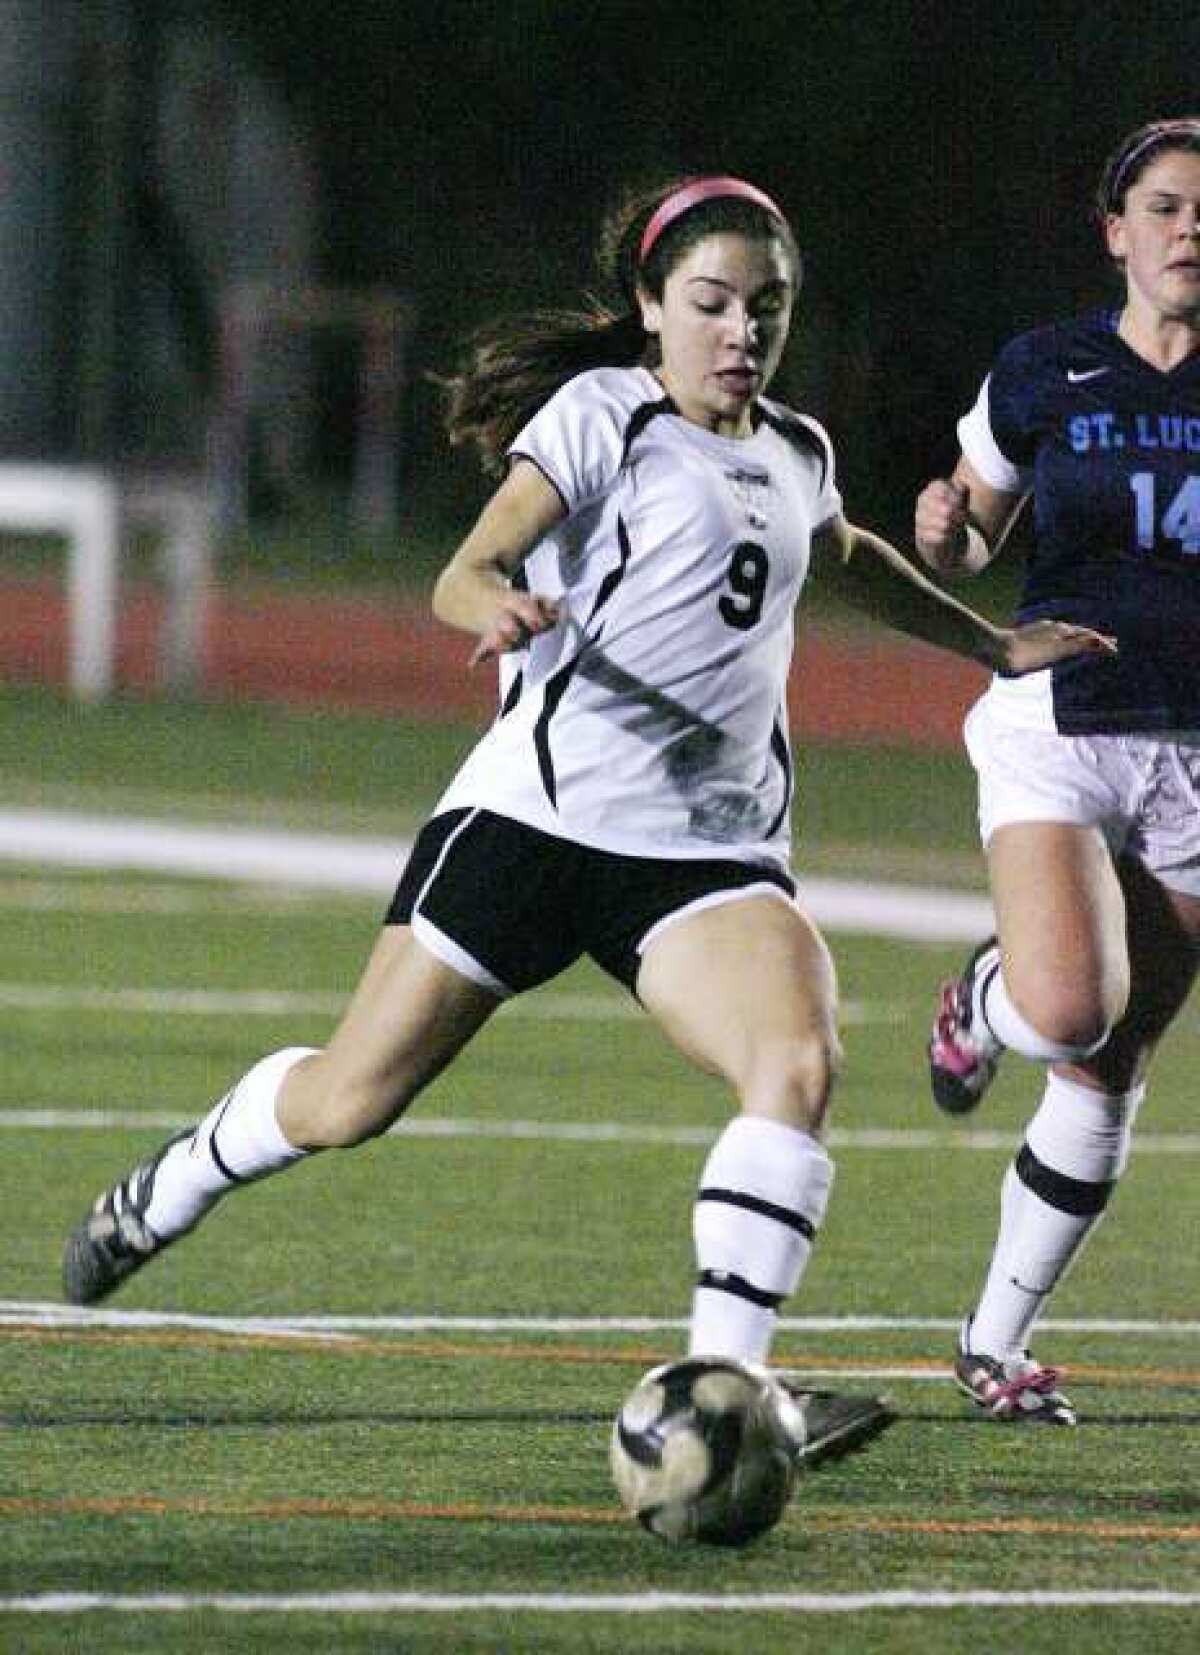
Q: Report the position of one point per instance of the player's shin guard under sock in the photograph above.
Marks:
(236, 1142)
(1054, 1194)
(994, 1008)
(762, 1197)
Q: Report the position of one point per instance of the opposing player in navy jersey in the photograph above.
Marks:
(1089, 773)
(637, 571)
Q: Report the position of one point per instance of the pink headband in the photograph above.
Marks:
(691, 195)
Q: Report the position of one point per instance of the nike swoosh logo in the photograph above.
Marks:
(1034, 1292)
(1076, 376)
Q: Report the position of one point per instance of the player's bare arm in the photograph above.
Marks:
(961, 521)
(474, 591)
(870, 573)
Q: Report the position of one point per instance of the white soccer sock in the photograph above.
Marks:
(237, 1141)
(762, 1196)
(1054, 1194)
(994, 1007)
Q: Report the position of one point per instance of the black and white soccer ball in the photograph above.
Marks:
(701, 1450)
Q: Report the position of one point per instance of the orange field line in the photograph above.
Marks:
(1032, 1526)
(142, 1505)
(351, 1510)
(547, 1354)
(350, 1344)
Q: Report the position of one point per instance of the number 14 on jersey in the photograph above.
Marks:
(1180, 520)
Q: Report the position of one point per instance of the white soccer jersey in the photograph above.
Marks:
(652, 720)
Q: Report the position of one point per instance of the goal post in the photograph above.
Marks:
(83, 507)
(92, 511)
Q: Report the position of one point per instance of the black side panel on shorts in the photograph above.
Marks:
(502, 891)
(421, 863)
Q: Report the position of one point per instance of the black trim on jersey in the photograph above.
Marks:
(557, 686)
(514, 694)
(1067, 1195)
(779, 747)
(766, 1209)
(614, 577)
(639, 421)
(725, 1281)
(795, 429)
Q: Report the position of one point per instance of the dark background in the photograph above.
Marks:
(937, 161)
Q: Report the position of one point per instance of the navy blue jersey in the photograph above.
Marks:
(1111, 448)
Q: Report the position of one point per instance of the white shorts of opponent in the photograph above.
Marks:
(1141, 791)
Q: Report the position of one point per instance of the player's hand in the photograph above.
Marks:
(940, 523)
(519, 617)
(1041, 643)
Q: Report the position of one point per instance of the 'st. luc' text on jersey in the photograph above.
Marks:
(1110, 446)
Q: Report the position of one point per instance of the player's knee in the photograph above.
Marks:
(349, 1114)
(1075, 1017)
(792, 1080)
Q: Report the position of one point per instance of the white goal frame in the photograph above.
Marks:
(91, 510)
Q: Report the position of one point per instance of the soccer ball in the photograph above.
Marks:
(700, 1451)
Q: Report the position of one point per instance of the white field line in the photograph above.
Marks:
(322, 860)
(371, 867)
(171, 1002)
(250, 1002)
(273, 1002)
(107, 896)
(596, 1603)
(22, 1313)
(538, 1007)
(591, 1132)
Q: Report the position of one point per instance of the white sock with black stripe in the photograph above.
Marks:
(762, 1197)
(1054, 1194)
(237, 1141)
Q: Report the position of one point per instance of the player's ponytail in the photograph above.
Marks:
(511, 368)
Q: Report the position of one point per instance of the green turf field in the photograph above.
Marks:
(367, 1408)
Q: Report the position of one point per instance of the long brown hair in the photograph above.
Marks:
(511, 367)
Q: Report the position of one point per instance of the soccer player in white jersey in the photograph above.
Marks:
(637, 571)
(1089, 773)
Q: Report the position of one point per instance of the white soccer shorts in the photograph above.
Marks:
(1141, 791)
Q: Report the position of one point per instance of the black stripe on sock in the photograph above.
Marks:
(766, 1209)
(222, 1168)
(981, 998)
(1056, 1189)
(724, 1281)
